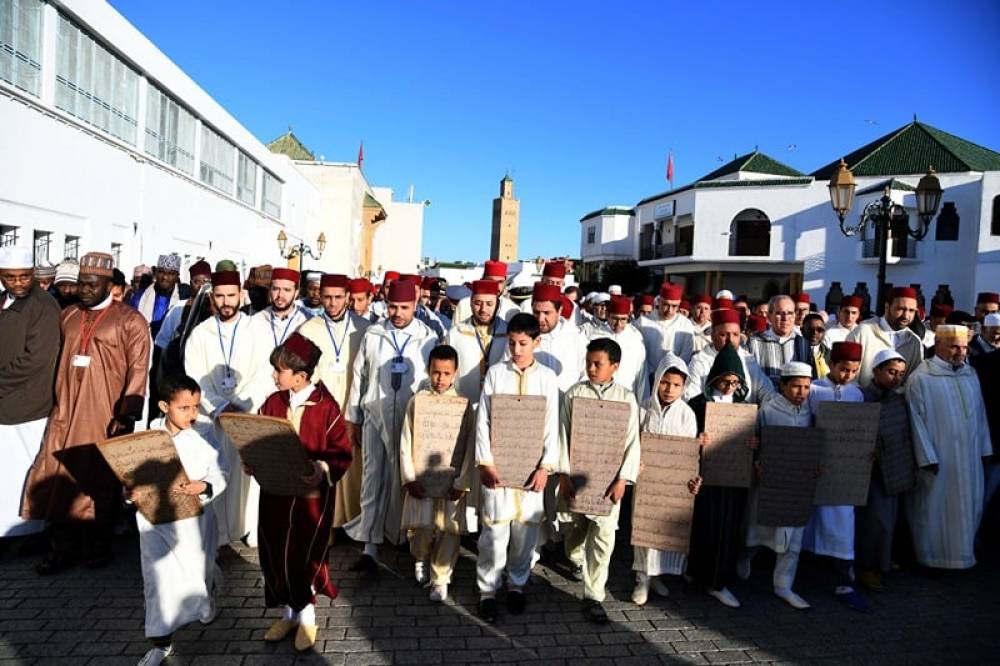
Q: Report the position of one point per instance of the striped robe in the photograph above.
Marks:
(773, 352)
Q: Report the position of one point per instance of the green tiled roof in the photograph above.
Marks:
(911, 149)
(719, 184)
(893, 184)
(610, 210)
(756, 162)
(289, 144)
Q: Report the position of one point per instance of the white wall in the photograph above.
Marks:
(612, 238)
(398, 241)
(341, 191)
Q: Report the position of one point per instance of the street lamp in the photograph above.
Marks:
(884, 215)
(300, 250)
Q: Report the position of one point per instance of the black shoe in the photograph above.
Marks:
(594, 612)
(575, 573)
(366, 564)
(488, 610)
(516, 602)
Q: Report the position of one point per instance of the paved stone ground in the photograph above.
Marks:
(90, 617)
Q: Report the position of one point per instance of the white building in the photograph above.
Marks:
(759, 227)
(109, 146)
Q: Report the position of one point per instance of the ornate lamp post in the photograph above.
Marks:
(301, 250)
(884, 215)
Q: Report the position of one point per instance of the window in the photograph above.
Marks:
(8, 236)
(995, 223)
(21, 43)
(947, 223)
(750, 234)
(271, 199)
(43, 242)
(246, 187)
(170, 130)
(116, 253)
(94, 85)
(218, 159)
(591, 235)
(72, 248)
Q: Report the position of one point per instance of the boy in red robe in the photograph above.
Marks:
(294, 531)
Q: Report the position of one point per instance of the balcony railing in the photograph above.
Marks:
(901, 248)
(664, 251)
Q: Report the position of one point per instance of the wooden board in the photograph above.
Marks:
(147, 464)
(273, 449)
(437, 452)
(895, 448)
(661, 516)
(850, 432)
(517, 436)
(727, 460)
(596, 447)
(789, 459)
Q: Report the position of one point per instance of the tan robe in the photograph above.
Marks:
(69, 475)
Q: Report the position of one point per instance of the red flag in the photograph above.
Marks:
(361, 154)
(670, 169)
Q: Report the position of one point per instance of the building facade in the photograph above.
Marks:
(506, 220)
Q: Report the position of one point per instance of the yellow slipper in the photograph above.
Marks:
(279, 630)
(305, 637)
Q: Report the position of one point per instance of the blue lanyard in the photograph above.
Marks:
(336, 347)
(284, 335)
(232, 345)
(395, 344)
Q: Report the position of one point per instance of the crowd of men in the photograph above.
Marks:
(83, 353)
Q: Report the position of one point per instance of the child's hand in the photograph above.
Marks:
(694, 485)
(415, 490)
(616, 491)
(566, 487)
(753, 443)
(537, 481)
(194, 488)
(247, 469)
(488, 476)
(312, 480)
(455, 494)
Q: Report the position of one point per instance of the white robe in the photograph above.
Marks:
(949, 430)
(874, 336)
(836, 333)
(380, 409)
(563, 350)
(22, 444)
(281, 328)
(662, 335)
(178, 558)
(335, 370)
(632, 370)
(205, 359)
(464, 339)
(759, 385)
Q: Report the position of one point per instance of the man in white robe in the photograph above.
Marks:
(228, 355)
(848, 315)
(890, 331)
(561, 347)
(725, 330)
(701, 319)
(495, 271)
(666, 330)
(632, 369)
(480, 340)
(284, 315)
(391, 364)
(951, 442)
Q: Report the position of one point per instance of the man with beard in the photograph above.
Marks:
(283, 316)
(666, 330)
(200, 273)
(29, 328)
(338, 333)
(780, 344)
(644, 304)
(726, 331)
(891, 331)
(157, 299)
(65, 285)
(495, 271)
(480, 340)
(312, 302)
(987, 340)
(228, 355)
(100, 390)
(631, 371)
(561, 347)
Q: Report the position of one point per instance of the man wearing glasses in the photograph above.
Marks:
(780, 344)
(726, 331)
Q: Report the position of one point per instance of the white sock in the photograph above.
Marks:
(307, 615)
(371, 550)
(290, 614)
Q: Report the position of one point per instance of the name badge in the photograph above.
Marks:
(398, 367)
(336, 367)
(229, 383)
(80, 361)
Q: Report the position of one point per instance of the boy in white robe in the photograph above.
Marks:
(789, 407)
(180, 577)
(434, 524)
(591, 538)
(510, 516)
(664, 413)
(830, 530)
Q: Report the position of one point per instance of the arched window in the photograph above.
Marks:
(995, 224)
(750, 234)
(947, 223)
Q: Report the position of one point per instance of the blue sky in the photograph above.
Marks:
(580, 100)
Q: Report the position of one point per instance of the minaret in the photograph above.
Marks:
(506, 217)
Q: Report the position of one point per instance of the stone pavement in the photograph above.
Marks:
(96, 617)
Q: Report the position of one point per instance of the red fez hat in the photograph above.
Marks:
(285, 274)
(645, 299)
(852, 302)
(722, 304)
(620, 306)
(941, 310)
(495, 269)
(685, 305)
(701, 298)
(428, 283)
(730, 316)
(903, 292)
(200, 268)
(485, 288)
(671, 292)
(390, 275)
(802, 298)
(566, 311)
(546, 292)
(411, 277)
(359, 286)
(845, 351)
(302, 347)
(226, 278)
(987, 297)
(554, 269)
(756, 324)
(402, 291)
(334, 280)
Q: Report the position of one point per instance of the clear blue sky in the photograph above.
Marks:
(580, 100)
